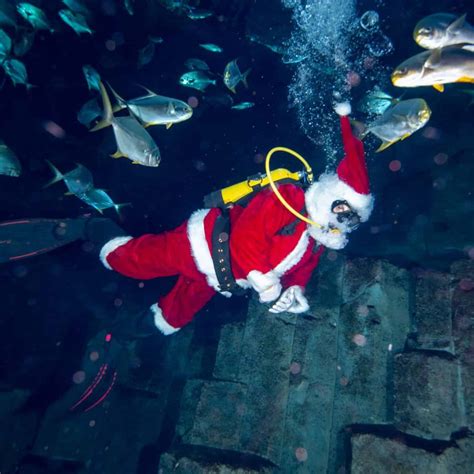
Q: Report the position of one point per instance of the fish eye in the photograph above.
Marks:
(426, 30)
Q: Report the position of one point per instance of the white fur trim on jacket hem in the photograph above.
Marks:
(200, 249)
(160, 322)
(110, 247)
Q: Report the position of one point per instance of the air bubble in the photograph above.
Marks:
(369, 20)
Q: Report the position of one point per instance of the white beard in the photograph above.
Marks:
(319, 199)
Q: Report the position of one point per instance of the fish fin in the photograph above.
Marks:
(136, 163)
(117, 108)
(439, 87)
(58, 176)
(466, 79)
(232, 89)
(147, 124)
(119, 99)
(405, 136)
(69, 194)
(148, 90)
(108, 114)
(244, 77)
(385, 145)
(168, 125)
(119, 207)
(468, 47)
(457, 24)
(433, 59)
(118, 154)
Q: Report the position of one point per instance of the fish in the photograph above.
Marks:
(376, 102)
(400, 121)
(443, 29)
(194, 64)
(133, 141)
(232, 75)
(9, 163)
(197, 80)
(145, 55)
(77, 6)
(75, 20)
(156, 39)
(129, 6)
(100, 200)
(89, 112)
(7, 14)
(5, 45)
(213, 48)
(243, 105)
(197, 13)
(24, 42)
(153, 109)
(16, 71)
(34, 16)
(78, 181)
(436, 67)
(92, 77)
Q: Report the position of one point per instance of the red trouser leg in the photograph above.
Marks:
(185, 299)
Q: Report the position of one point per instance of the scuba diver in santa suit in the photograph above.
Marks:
(266, 248)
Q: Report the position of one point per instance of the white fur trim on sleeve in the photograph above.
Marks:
(343, 108)
(160, 322)
(262, 281)
(110, 247)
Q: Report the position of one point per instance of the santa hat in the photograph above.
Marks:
(350, 183)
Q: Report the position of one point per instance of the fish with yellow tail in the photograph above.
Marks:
(400, 121)
(133, 141)
(436, 68)
(443, 29)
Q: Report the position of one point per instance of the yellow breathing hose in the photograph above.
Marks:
(309, 172)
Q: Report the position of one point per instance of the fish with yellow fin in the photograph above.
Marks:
(400, 121)
(436, 68)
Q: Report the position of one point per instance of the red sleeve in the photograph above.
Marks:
(301, 274)
(265, 215)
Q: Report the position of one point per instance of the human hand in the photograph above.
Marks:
(292, 300)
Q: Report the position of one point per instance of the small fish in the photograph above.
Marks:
(194, 64)
(376, 102)
(243, 105)
(78, 181)
(145, 55)
(443, 29)
(197, 80)
(436, 67)
(213, 48)
(275, 48)
(129, 6)
(92, 77)
(197, 13)
(400, 121)
(89, 112)
(232, 75)
(133, 141)
(156, 39)
(24, 42)
(34, 15)
(294, 58)
(5, 45)
(76, 21)
(9, 163)
(153, 109)
(100, 200)
(7, 14)
(77, 6)
(16, 71)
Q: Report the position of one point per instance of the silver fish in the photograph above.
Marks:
(400, 121)
(197, 13)
(100, 200)
(194, 64)
(376, 102)
(145, 55)
(9, 163)
(34, 15)
(232, 75)
(76, 21)
(24, 42)
(16, 71)
(77, 6)
(78, 181)
(7, 14)
(129, 6)
(5, 45)
(436, 67)
(443, 29)
(133, 141)
(92, 77)
(243, 105)
(153, 109)
(213, 48)
(89, 112)
(197, 80)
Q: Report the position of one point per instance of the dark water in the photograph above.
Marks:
(51, 305)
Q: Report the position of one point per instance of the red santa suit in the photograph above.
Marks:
(262, 256)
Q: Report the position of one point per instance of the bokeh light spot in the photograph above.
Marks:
(295, 368)
(301, 454)
(440, 158)
(93, 356)
(395, 165)
(359, 340)
(79, 377)
(193, 101)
